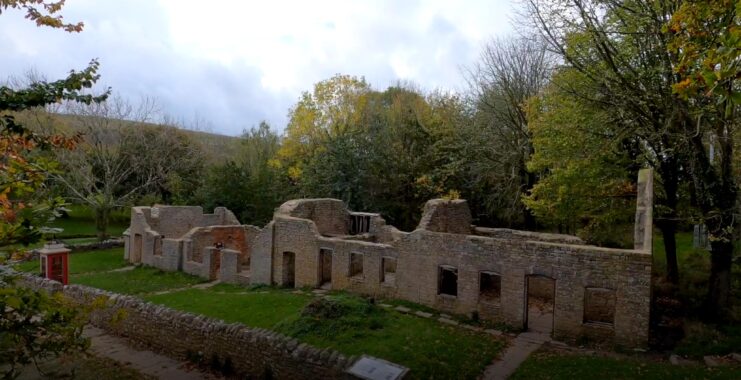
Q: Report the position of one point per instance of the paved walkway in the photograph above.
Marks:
(145, 362)
(522, 346)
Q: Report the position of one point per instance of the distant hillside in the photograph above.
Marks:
(218, 148)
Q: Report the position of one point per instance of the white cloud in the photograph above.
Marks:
(236, 62)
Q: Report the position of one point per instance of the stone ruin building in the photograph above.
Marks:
(539, 281)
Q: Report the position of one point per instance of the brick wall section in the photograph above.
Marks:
(506, 233)
(254, 353)
(441, 215)
(329, 215)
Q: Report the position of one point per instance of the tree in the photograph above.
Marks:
(250, 184)
(121, 157)
(23, 168)
(383, 151)
(43, 13)
(705, 39)
(509, 72)
(330, 110)
(588, 169)
(33, 326)
(620, 49)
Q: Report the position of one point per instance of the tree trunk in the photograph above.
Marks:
(668, 231)
(719, 287)
(527, 181)
(667, 222)
(101, 222)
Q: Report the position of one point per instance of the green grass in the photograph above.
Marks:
(137, 281)
(553, 366)
(701, 340)
(85, 262)
(81, 222)
(684, 249)
(430, 349)
(255, 309)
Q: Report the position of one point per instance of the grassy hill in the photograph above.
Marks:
(218, 148)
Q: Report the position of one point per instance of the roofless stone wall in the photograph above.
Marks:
(446, 263)
(253, 353)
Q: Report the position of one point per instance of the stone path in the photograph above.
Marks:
(145, 362)
(522, 346)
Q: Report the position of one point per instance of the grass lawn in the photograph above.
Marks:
(554, 365)
(73, 226)
(430, 349)
(684, 248)
(85, 262)
(80, 221)
(138, 281)
(258, 308)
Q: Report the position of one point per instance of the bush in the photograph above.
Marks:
(327, 316)
(34, 326)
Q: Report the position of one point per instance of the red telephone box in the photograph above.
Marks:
(54, 262)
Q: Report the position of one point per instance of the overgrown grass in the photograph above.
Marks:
(349, 324)
(567, 366)
(430, 349)
(85, 262)
(701, 340)
(137, 281)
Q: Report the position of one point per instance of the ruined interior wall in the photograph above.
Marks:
(232, 237)
(221, 217)
(329, 215)
(369, 282)
(299, 236)
(261, 256)
(442, 215)
(175, 221)
(509, 234)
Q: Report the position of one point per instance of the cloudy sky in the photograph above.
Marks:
(234, 63)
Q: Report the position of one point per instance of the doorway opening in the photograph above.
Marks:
(540, 303)
(289, 269)
(325, 268)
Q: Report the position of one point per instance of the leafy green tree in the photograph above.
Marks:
(251, 184)
(619, 47)
(32, 325)
(704, 37)
(588, 169)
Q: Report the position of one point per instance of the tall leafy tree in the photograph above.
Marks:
(32, 325)
(619, 47)
(705, 39)
(587, 186)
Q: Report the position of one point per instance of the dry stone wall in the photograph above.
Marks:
(253, 353)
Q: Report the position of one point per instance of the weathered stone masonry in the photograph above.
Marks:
(252, 353)
(446, 263)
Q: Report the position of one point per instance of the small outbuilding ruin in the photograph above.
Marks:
(547, 282)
